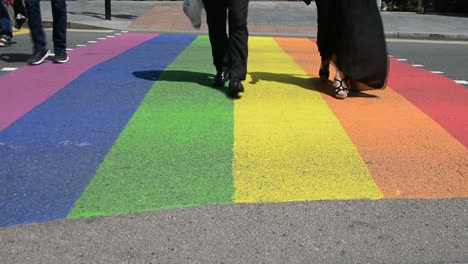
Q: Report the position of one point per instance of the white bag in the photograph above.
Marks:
(193, 10)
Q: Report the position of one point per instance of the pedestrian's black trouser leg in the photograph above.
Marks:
(216, 15)
(238, 37)
(38, 36)
(327, 27)
(59, 34)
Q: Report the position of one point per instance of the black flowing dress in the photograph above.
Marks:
(353, 31)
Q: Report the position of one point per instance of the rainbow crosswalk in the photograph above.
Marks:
(131, 124)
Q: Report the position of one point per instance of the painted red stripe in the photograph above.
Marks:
(445, 101)
(29, 86)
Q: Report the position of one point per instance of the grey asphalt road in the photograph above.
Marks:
(383, 231)
(444, 56)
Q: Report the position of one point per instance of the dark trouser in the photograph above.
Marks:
(229, 50)
(6, 26)
(59, 34)
(327, 27)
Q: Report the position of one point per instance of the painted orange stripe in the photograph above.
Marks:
(408, 154)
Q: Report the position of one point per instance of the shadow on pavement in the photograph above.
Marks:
(101, 16)
(200, 78)
(204, 79)
(303, 81)
(15, 57)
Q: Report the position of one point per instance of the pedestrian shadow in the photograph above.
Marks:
(14, 57)
(183, 76)
(305, 82)
(102, 16)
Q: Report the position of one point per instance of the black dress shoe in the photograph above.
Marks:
(235, 87)
(220, 79)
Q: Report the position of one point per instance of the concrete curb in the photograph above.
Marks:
(426, 36)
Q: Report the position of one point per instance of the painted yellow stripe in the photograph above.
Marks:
(288, 144)
(20, 31)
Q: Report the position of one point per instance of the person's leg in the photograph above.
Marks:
(6, 25)
(326, 34)
(340, 83)
(238, 45)
(216, 20)
(326, 28)
(59, 34)
(238, 38)
(38, 36)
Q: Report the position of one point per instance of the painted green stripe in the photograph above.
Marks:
(176, 150)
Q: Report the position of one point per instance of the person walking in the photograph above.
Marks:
(6, 25)
(38, 36)
(229, 49)
(351, 36)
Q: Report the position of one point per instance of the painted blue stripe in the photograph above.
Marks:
(48, 156)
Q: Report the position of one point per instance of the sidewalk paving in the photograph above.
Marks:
(265, 18)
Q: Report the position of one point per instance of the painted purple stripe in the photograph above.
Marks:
(29, 86)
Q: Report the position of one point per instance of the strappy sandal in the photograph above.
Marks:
(342, 91)
(4, 42)
(324, 71)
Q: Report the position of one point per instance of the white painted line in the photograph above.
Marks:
(124, 31)
(117, 34)
(461, 81)
(9, 69)
(438, 72)
(102, 38)
(92, 41)
(111, 36)
(402, 59)
(80, 45)
(68, 49)
(418, 65)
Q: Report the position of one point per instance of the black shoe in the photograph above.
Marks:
(60, 57)
(235, 87)
(220, 79)
(38, 57)
(19, 20)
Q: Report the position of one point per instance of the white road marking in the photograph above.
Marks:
(438, 72)
(9, 69)
(402, 59)
(461, 81)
